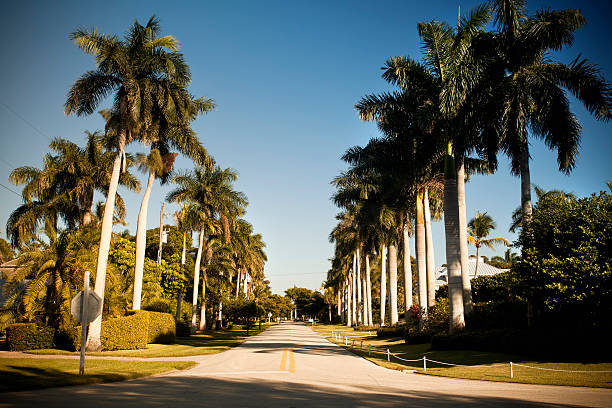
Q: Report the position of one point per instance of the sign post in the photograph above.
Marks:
(85, 307)
(84, 322)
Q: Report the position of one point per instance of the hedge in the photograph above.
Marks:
(123, 333)
(396, 331)
(162, 327)
(28, 336)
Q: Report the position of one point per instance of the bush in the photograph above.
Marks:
(161, 305)
(497, 315)
(121, 333)
(162, 328)
(28, 336)
(183, 329)
(385, 332)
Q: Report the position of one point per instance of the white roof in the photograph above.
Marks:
(483, 270)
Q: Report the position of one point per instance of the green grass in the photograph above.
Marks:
(211, 342)
(20, 374)
(397, 346)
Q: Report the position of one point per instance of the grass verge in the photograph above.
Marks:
(210, 342)
(490, 371)
(19, 374)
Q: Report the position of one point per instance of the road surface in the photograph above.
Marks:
(289, 365)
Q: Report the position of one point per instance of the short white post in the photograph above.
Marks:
(345, 341)
(388, 355)
(511, 371)
(424, 363)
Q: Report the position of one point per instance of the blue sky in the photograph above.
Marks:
(285, 76)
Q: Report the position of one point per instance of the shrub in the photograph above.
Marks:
(183, 329)
(385, 332)
(161, 305)
(497, 315)
(28, 336)
(162, 328)
(121, 333)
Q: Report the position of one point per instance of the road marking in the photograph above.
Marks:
(283, 360)
(222, 373)
(291, 361)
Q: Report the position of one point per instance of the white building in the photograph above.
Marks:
(483, 270)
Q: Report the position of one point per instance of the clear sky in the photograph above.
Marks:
(285, 76)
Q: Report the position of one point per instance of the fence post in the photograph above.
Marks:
(353, 345)
(388, 355)
(369, 352)
(424, 363)
(361, 346)
(511, 373)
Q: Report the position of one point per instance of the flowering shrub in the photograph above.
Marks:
(28, 336)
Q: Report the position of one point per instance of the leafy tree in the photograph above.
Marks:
(566, 273)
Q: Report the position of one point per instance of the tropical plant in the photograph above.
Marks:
(479, 228)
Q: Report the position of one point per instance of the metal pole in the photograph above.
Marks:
(424, 363)
(511, 371)
(84, 322)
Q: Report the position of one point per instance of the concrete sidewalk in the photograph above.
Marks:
(290, 365)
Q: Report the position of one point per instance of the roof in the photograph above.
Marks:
(7, 269)
(484, 269)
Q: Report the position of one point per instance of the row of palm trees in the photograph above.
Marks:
(148, 79)
(473, 93)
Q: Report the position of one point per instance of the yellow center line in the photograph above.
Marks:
(291, 361)
(283, 360)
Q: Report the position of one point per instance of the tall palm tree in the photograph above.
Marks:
(529, 90)
(142, 70)
(214, 199)
(479, 228)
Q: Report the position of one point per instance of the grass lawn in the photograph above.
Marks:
(491, 372)
(20, 374)
(210, 342)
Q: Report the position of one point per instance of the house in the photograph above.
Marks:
(483, 270)
(7, 270)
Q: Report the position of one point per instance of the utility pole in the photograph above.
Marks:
(161, 234)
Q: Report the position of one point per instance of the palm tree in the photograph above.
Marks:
(143, 70)
(64, 188)
(529, 90)
(478, 231)
(214, 200)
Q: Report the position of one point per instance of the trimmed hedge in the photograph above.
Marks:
(28, 336)
(162, 328)
(121, 333)
(385, 332)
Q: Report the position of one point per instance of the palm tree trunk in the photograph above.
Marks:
(339, 295)
(179, 302)
(419, 238)
(196, 282)
(238, 283)
(93, 337)
(407, 267)
(141, 242)
(349, 291)
(359, 284)
(477, 259)
(393, 284)
(429, 253)
(526, 190)
(86, 220)
(364, 300)
(369, 290)
(354, 290)
(451, 227)
(383, 284)
(203, 304)
(463, 244)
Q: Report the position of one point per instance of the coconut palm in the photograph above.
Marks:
(479, 228)
(64, 188)
(530, 88)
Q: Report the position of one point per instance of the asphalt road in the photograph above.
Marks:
(289, 365)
